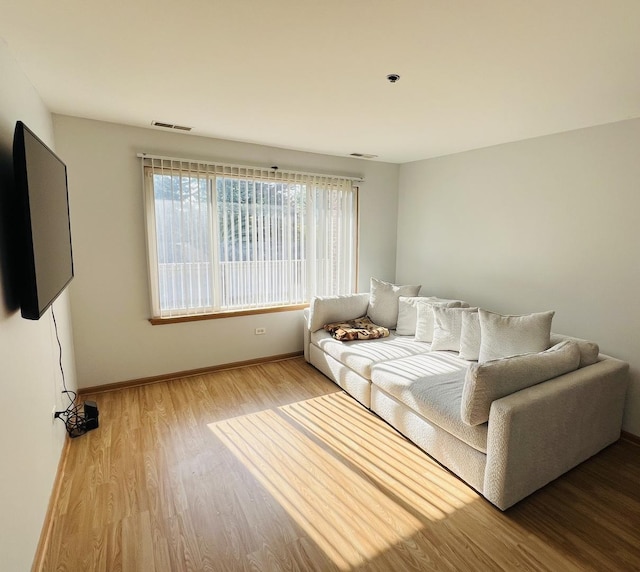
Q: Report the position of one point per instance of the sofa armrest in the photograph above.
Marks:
(537, 434)
(307, 334)
(326, 309)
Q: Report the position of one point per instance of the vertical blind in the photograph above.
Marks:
(227, 237)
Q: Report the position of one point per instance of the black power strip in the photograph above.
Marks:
(77, 421)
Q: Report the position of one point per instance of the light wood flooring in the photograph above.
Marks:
(272, 467)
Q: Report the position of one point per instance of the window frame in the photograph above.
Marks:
(153, 265)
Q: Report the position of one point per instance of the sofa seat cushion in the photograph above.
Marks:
(431, 385)
(360, 355)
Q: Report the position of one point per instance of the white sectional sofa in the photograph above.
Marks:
(493, 423)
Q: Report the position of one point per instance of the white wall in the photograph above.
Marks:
(30, 380)
(113, 338)
(547, 223)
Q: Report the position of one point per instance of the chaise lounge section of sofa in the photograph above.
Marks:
(503, 425)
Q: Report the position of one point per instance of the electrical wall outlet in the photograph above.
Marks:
(54, 410)
(260, 331)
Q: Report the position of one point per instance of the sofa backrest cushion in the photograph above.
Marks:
(383, 301)
(408, 311)
(486, 382)
(326, 309)
(589, 351)
(504, 336)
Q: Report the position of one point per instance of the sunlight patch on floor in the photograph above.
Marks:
(326, 461)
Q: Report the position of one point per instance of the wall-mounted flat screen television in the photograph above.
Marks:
(45, 256)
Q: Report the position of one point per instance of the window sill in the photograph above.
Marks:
(230, 314)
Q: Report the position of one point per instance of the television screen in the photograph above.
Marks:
(46, 258)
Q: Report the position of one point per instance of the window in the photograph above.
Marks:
(224, 238)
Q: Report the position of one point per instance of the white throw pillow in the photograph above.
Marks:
(447, 325)
(383, 301)
(505, 336)
(486, 382)
(424, 319)
(470, 336)
(407, 315)
(408, 311)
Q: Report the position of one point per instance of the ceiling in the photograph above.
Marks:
(311, 74)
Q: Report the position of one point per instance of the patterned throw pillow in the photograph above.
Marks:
(358, 329)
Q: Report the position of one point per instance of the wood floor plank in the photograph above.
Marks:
(272, 467)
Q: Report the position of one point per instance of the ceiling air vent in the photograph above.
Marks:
(363, 155)
(171, 126)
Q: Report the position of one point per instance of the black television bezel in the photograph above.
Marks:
(30, 306)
